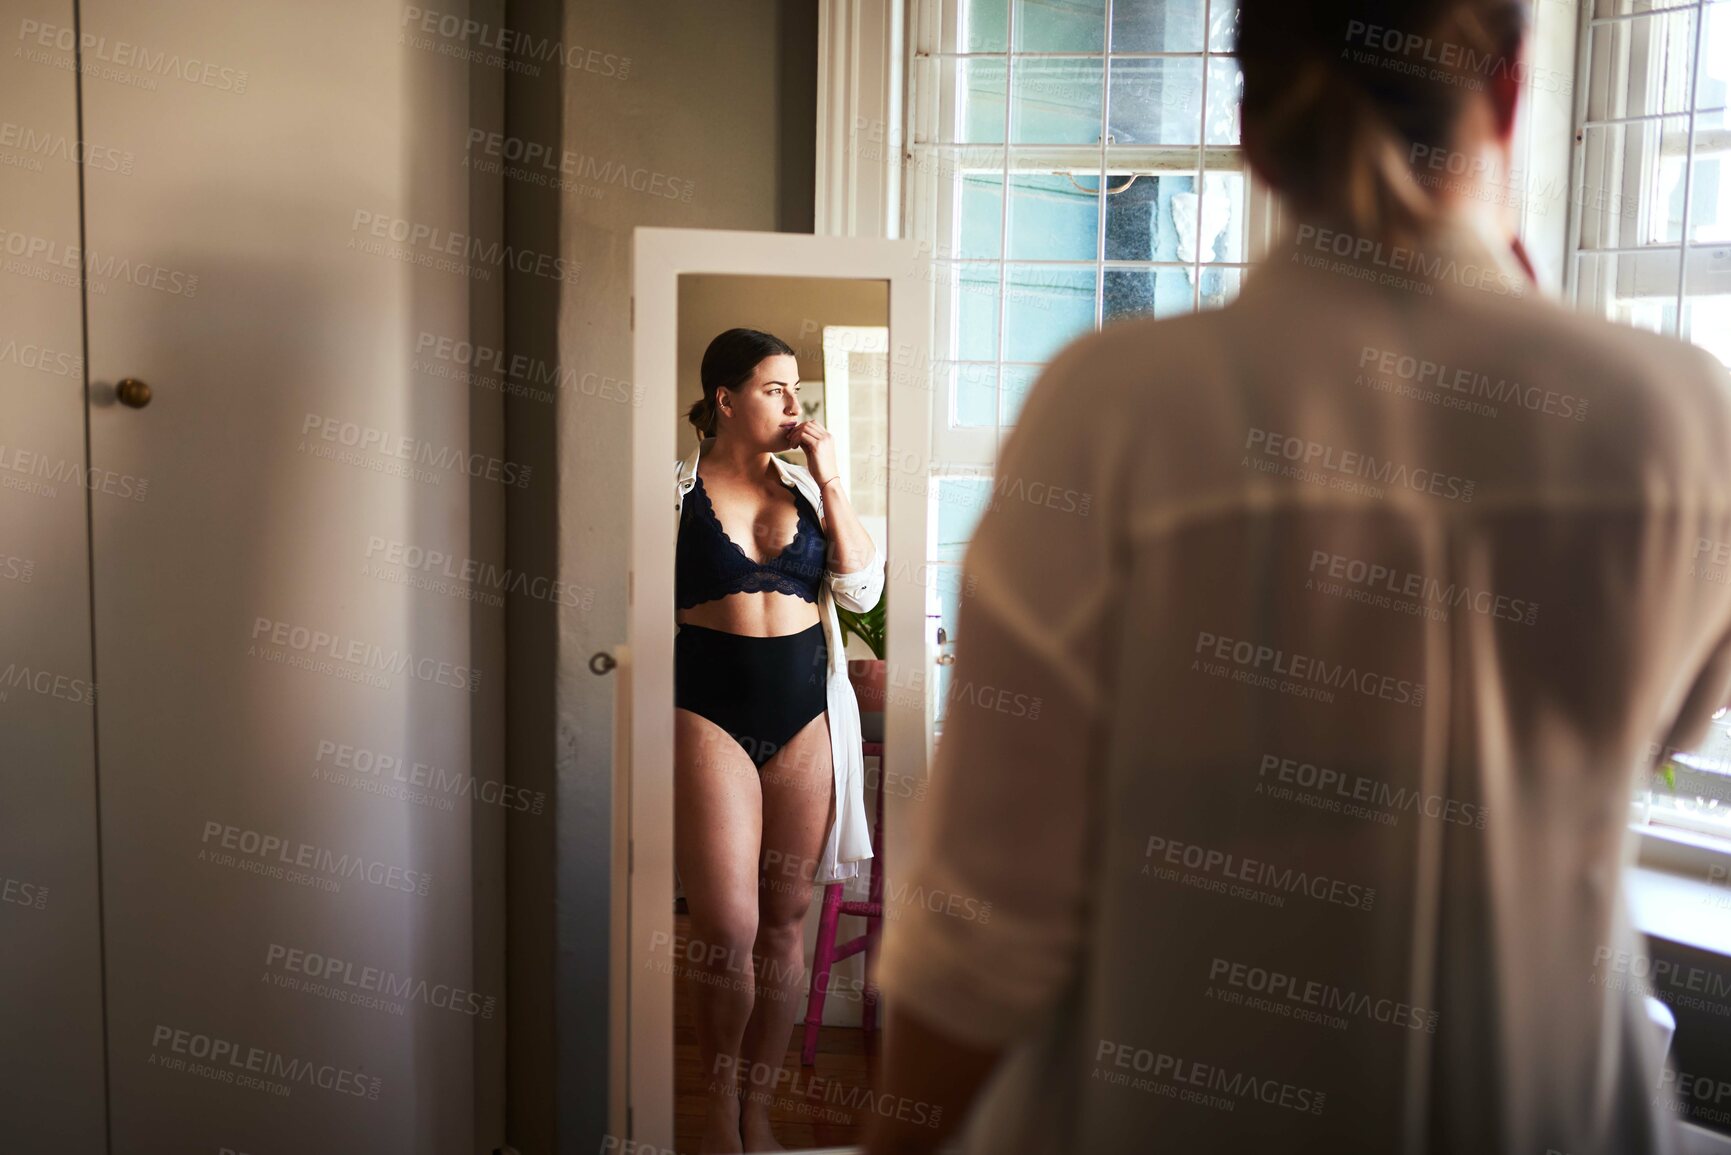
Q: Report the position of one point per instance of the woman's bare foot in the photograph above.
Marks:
(755, 1130)
(721, 1125)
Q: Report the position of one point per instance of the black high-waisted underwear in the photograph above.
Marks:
(762, 691)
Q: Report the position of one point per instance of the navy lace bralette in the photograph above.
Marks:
(709, 565)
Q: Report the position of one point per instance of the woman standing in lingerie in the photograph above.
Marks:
(768, 771)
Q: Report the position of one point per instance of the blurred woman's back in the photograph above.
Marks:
(1382, 595)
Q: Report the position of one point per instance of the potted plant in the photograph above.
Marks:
(867, 674)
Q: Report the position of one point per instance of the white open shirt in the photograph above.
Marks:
(1228, 912)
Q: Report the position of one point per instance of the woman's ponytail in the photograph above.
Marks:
(702, 415)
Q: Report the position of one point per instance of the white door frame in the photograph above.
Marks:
(643, 775)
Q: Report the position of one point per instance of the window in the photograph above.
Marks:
(1651, 246)
(1072, 164)
(1651, 236)
(1694, 791)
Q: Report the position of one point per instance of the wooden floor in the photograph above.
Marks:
(825, 1105)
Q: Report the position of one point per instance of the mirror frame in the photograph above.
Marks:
(641, 1104)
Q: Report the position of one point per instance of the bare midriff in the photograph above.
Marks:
(764, 614)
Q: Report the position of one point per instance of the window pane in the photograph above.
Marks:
(1055, 102)
(1045, 308)
(1714, 90)
(1651, 58)
(1052, 219)
(1638, 289)
(1631, 188)
(1070, 26)
(1225, 93)
(1624, 7)
(975, 390)
(1709, 198)
(1018, 382)
(985, 26)
(1224, 224)
(960, 502)
(1132, 216)
(1707, 306)
(974, 289)
(1156, 102)
(977, 111)
(1172, 26)
(982, 216)
(1219, 285)
(1158, 292)
(1701, 793)
(1223, 34)
(1138, 218)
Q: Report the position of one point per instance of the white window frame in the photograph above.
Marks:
(1642, 270)
(932, 218)
(1675, 839)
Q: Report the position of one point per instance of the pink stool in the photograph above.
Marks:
(828, 952)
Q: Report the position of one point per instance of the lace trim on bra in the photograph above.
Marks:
(767, 563)
(765, 576)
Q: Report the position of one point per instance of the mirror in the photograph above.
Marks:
(770, 599)
(756, 786)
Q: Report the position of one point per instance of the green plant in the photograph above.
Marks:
(868, 627)
(1668, 771)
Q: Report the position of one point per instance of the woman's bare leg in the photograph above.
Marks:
(717, 826)
(798, 798)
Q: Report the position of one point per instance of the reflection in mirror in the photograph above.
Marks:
(779, 665)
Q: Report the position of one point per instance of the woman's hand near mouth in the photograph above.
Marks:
(819, 446)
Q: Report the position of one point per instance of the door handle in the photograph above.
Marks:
(132, 392)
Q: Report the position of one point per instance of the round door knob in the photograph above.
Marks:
(132, 392)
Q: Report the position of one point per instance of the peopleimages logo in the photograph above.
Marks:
(365, 655)
(1346, 469)
(1356, 788)
(1398, 259)
(377, 765)
(30, 472)
(472, 252)
(1375, 578)
(520, 47)
(46, 683)
(1290, 992)
(32, 143)
(366, 439)
(21, 893)
(1233, 1086)
(348, 982)
(517, 373)
(97, 267)
(1446, 61)
(483, 576)
(231, 1062)
(123, 54)
(1252, 659)
(566, 169)
(1227, 865)
(273, 849)
(1449, 379)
